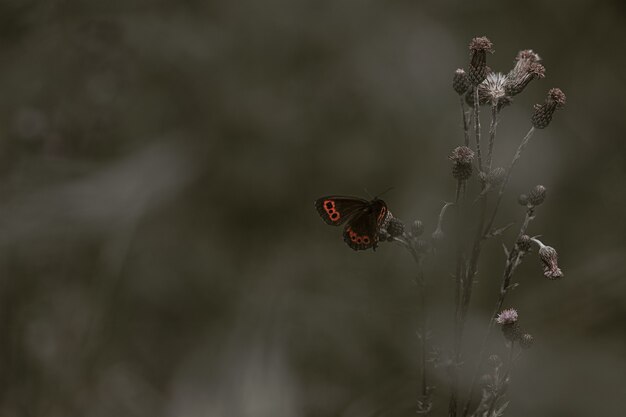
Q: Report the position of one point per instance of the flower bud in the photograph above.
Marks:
(549, 258)
(417, 228)
(395, 227)
(522, 200)
(460, 82)
(478, 69)
(495, 360)
(438, 235)
(527, 68)
(537, 195)
(462, 158)
(523, 244)
(526, 341)
(542, 116)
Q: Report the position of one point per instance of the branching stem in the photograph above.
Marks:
(512, 262)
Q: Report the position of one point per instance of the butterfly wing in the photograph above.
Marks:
(362, 232)
(336, 210)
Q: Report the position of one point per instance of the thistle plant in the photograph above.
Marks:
(469, 221)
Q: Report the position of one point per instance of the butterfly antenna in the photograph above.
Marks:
(369, 194)
(386, 191)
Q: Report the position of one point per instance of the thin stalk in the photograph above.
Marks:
(520, 149)
(477, 129)
(513, 260)
(497, 394)
(420, 282)
(468, 275)
(458, 278)
(465, 121)
(492, 134)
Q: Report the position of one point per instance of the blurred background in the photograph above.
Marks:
(160, 254)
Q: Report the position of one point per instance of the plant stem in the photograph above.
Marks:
(420, 282)
(516, 157)
(465, 121)
(468, 276)
(513, 260)
(492, 134)
(458, 278)
(499, 389)
(477, 129)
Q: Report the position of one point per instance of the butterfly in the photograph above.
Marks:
(363, 218)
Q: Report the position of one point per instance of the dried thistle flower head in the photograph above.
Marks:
(508, 316)
(542, 116)
(537, 195)
(462, 158)
(493, 90)
(526, 341)
(478, 69)
(526, 69)
(549, 259)
(460, 82)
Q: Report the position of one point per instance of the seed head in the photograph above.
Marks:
(526, 341)
(537, 195)
(526, 69)
(493, 90)
(460, 82)
(478, 69)
(508, 316)
(543, 112)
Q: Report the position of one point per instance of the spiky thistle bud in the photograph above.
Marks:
(543, 112)
(549, 260)
(462, 158)
(526, 341)
(526, 69)
(417, 228)
(478, 69)
(395, 227)
(523, 243)
(537, 195)
(460, 82)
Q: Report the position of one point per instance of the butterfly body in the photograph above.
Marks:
(363, 218)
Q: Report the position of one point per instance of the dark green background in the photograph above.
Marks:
(159, 250)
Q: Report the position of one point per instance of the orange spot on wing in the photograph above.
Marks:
(329, 207)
